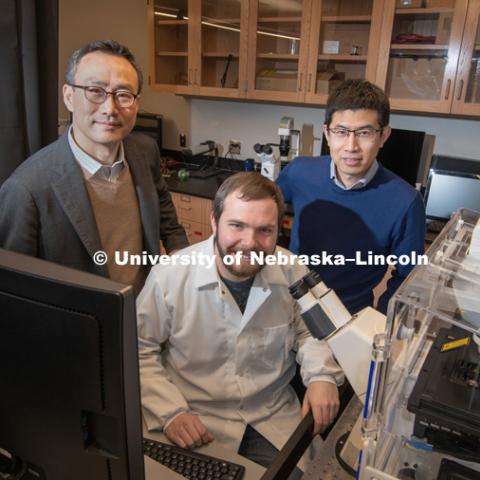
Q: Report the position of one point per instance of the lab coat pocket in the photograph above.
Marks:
(277, 344)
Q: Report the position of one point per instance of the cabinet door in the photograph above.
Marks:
(467, 86)
(278, 49)
(170, 39)
(196, 232)
(190, 207)
(344, 41)
(221, 45)
(419, 53)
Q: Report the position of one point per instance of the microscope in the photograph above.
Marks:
(327, 319)
(288, 148)
(289, 139)
(270, 163)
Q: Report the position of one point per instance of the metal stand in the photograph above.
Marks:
(325, 466)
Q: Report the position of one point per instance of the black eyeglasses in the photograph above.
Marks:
(123, 98)
(360, 133)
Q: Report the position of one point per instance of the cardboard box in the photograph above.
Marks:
(277, 80)
(286, 81)
(328, 81)
(331, 46)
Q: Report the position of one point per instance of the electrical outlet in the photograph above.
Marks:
(234, 147)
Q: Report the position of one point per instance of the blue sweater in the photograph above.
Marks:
(385, 217)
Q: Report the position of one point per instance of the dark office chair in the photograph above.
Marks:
(290, 454)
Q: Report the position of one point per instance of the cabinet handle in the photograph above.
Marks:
(185, 199)
(309, 82)
(300, 82)
(447, 93)
(459, 96)
(195, 77)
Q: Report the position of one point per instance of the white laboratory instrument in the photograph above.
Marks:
(288, 148)
(289, 139)
(269, 161)
(423, 415)
(417, 370)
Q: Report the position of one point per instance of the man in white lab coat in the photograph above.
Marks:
(218, 342)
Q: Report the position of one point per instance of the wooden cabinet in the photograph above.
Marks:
(198, 47)
(259, 49)
(170, 38)
(425, 53)
(466, 94)
(344, 39)
(278, 49)
(429, 56)
(194, 214)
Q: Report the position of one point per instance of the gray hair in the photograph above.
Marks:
(110, 47)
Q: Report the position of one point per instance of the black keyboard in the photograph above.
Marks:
(191, 464)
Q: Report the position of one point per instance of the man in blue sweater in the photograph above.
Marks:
(347, 204)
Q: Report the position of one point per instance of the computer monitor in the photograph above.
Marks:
(446, 192)
(150, 124)
(455, 164)
(404, 153)
(69, 382)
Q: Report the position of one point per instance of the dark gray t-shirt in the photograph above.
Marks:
(240, 291)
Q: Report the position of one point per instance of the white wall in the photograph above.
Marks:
(253, 122)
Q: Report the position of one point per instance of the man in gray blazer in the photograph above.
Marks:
(98, 188)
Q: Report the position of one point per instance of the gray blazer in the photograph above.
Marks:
(45, 210)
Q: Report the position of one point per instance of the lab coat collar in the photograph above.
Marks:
(265, 281)
(269, 275)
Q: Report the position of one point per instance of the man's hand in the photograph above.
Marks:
(322, 399)
(188, 431)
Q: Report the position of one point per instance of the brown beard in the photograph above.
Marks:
(242, 272)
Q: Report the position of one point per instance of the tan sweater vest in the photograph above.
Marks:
(116, 211)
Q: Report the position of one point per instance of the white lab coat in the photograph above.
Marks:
(198, 353)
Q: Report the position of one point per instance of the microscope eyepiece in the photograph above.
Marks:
(267, 149)
(298, 289)
(312, 278)
(258, 147)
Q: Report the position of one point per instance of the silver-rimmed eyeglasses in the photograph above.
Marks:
(94, 94)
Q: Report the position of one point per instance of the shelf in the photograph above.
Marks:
(229, 27)
(426, 11)
(343, 58)
(279, 20)
(346, 18)
(278, 56)
(220, 55)
(417, 46)
(171, 54)
(222, 21)
(171, 22)
(418, 55)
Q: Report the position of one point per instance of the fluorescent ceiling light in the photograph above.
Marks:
(234, 29)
